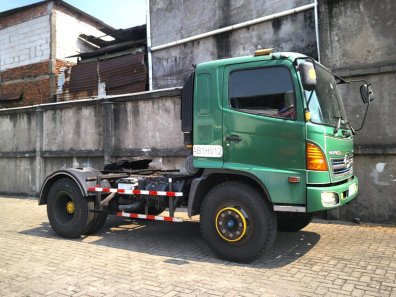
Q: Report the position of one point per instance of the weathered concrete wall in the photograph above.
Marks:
(17, 162)
(41, 139)
(380, 127)
(357, 41)
(376, 202)
(358, 34)
(173, 20)
(72, 129)
(152, 125)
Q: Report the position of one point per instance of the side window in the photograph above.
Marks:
(263, 91)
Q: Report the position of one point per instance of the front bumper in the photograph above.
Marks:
(346, 193)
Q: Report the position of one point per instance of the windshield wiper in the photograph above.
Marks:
(337, 126)
(350, 127)
(344, 124)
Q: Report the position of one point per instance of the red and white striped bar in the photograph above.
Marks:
(134, 192)
(148, 217)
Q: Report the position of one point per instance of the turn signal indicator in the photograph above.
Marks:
(316, 160)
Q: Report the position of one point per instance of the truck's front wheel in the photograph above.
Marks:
(67, 209)
(237, 222)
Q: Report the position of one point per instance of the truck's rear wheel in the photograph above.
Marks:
(293, 222)
(236, 221)
(97, 222)
(68, 209)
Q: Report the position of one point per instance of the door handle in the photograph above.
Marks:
(233, 138)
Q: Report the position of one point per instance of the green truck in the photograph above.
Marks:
(269, 143)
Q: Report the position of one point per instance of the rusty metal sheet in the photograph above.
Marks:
(83, 77)
(124, 74)
(127, 73)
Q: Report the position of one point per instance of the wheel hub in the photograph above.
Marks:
(230, 224)
(70, 207)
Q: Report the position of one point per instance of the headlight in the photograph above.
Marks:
(330, 199)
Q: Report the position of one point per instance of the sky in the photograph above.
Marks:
(119, 14)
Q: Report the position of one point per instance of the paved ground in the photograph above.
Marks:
(164, 259)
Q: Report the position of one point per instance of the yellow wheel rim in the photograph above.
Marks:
(70, 208)
(230, 224)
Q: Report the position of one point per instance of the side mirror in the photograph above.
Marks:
(367, 93)
(308, 75)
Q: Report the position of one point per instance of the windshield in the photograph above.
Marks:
(325, 102)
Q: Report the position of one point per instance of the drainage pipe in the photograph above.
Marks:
(149, 58)
(317, 29)
(230, 28)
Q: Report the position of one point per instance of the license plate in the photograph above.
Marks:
(352, 189)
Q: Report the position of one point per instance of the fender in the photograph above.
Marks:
(204, 183)
(78, 175)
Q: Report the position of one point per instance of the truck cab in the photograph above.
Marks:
(253, 116)
(272, 126)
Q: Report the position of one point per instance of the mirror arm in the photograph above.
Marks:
(344, 81)
(364, 118)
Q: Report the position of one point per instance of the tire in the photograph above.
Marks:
(67, 209)
(293, 222)
(237, 222)
(97, 222)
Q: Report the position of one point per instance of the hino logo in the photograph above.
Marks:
(337, 153)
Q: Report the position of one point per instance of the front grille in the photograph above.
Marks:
(342, 166)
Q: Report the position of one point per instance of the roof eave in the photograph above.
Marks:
(100, 24)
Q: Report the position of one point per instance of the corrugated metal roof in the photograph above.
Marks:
(111, 49)
(120, 35)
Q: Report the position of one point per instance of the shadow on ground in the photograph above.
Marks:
(182, 242)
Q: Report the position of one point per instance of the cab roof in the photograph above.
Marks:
(246, 59)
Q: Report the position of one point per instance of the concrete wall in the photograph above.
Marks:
(357, 41)
(41, 139)
(173, 20)
(376, 202)
(25, 43)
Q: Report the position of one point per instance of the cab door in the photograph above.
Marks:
(263, 127)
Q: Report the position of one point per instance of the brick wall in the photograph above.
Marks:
(27, 71)
(31, 92)
(25, 85)
(30, 68)
(23, 16)
(29, 84)
(63, 70)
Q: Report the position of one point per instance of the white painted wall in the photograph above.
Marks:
(25, 43)
(68, 29)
